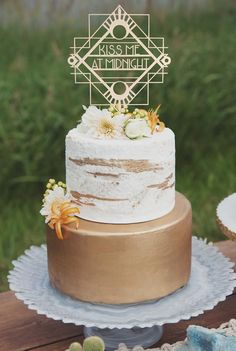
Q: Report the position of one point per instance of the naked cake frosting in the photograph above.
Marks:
(119, 179)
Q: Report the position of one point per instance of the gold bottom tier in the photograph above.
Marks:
(123, 263)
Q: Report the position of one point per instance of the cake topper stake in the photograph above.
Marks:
(118, 60)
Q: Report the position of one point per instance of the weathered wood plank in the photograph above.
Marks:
(23, 329)
(59, 346)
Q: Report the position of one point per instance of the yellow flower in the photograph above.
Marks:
(58, 209)
(154, 121)
(62, 213)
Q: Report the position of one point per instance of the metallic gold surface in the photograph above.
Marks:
(123, 263)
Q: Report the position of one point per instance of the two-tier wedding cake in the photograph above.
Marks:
(126, 231)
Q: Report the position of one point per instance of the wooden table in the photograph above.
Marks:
(22, 329)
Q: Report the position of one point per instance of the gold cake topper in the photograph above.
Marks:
(118, 59)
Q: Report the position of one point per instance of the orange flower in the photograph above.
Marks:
(62, 213)
(154, 121)
(161, 126)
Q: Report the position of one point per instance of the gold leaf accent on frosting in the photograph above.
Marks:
(170, 176)
(78, 196)
(158, 186)
(169, 186)
(135, 166)
(100, 174)
(81, 203)
(163, 185)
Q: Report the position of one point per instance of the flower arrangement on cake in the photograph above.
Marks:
(118, 122)
(58, 208)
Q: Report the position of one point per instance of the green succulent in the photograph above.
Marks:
(75, 346)
(93, 343)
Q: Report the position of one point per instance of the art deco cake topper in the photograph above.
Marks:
(118, 59)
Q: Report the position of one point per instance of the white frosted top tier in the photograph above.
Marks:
(121, 180)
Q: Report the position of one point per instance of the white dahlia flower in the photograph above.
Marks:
(100, 124)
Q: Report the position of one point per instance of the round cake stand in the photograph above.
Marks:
(226, 216)
(131, 337)
(212, 279)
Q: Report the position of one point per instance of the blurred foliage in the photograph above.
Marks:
(39, 103)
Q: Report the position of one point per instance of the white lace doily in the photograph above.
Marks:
(212, 279)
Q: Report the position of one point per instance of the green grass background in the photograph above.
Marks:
(39, 103)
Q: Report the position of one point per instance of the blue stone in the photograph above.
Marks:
(183, 348)
(203, 339)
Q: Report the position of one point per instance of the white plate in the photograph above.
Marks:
(226, 216)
